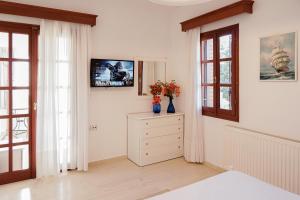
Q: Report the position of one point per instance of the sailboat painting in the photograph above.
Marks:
(278, 57)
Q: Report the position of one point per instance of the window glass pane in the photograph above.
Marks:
(208, 73)
(3, 131)
(4, 160)
(3, 73)
(20, 74)
(4, 102)
(208, 96)
(20, 157)
(225, 98)
(20, 45)
(3, 45)
(208, 49)
(225, 72)
(225, 46)
(20, 101)
(20, 129)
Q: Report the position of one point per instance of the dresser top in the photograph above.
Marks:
(150, 115)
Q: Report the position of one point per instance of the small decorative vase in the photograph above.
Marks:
(156, 108)
(171, 108)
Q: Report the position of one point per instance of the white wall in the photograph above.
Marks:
(137, 28)
(271, 107)
(128, 29)
(124, 30)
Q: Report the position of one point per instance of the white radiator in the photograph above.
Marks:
(275, 160)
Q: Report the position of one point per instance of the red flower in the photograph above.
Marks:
(177, 91)
(156, 88)
(156, 100)
(170, 89)
(166, 89)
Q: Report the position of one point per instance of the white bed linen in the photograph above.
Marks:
(230, 185)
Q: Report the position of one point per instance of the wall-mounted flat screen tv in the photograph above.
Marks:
(112, 73)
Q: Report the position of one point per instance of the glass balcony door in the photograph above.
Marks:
(18, 59)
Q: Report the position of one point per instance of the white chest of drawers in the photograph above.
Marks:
(155, 137)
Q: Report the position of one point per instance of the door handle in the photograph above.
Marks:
(35, 106)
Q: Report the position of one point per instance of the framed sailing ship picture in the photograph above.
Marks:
(278, 57)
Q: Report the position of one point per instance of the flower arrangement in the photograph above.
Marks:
(167, 89)
(156, 88)
(170, 89)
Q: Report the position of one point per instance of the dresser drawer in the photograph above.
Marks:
(151, 123)
(155, 137)
(161, 141)
(163, 130)
(158, 154)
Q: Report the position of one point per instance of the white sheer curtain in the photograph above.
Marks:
(62, 118)
(194, 138)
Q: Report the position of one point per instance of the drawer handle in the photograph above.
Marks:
(179, 147)
(147, 123)
(179, 128)
(179, 138)
(147, 154)
(147, 133)
(147, 144)
(179, 119)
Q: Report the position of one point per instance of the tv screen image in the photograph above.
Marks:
(112, 73)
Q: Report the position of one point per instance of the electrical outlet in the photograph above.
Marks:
(93, 127)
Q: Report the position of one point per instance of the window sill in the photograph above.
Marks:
(234, 118)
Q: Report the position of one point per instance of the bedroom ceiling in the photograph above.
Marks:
(179, 2)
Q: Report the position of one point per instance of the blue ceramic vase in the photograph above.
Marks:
(156, 108)
(171, 108)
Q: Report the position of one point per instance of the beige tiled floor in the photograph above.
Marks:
(110, 180)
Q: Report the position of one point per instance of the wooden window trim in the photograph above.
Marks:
(240, 7)
(215, 111)
(46, 13)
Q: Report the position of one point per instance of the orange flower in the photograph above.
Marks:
(156, 100)
(166, 89)
(170, 89)
(156, 88)
(177, 91)
(163, 92)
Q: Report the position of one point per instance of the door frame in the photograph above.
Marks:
(33, 31)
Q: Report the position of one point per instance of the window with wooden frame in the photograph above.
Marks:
(220, 74)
